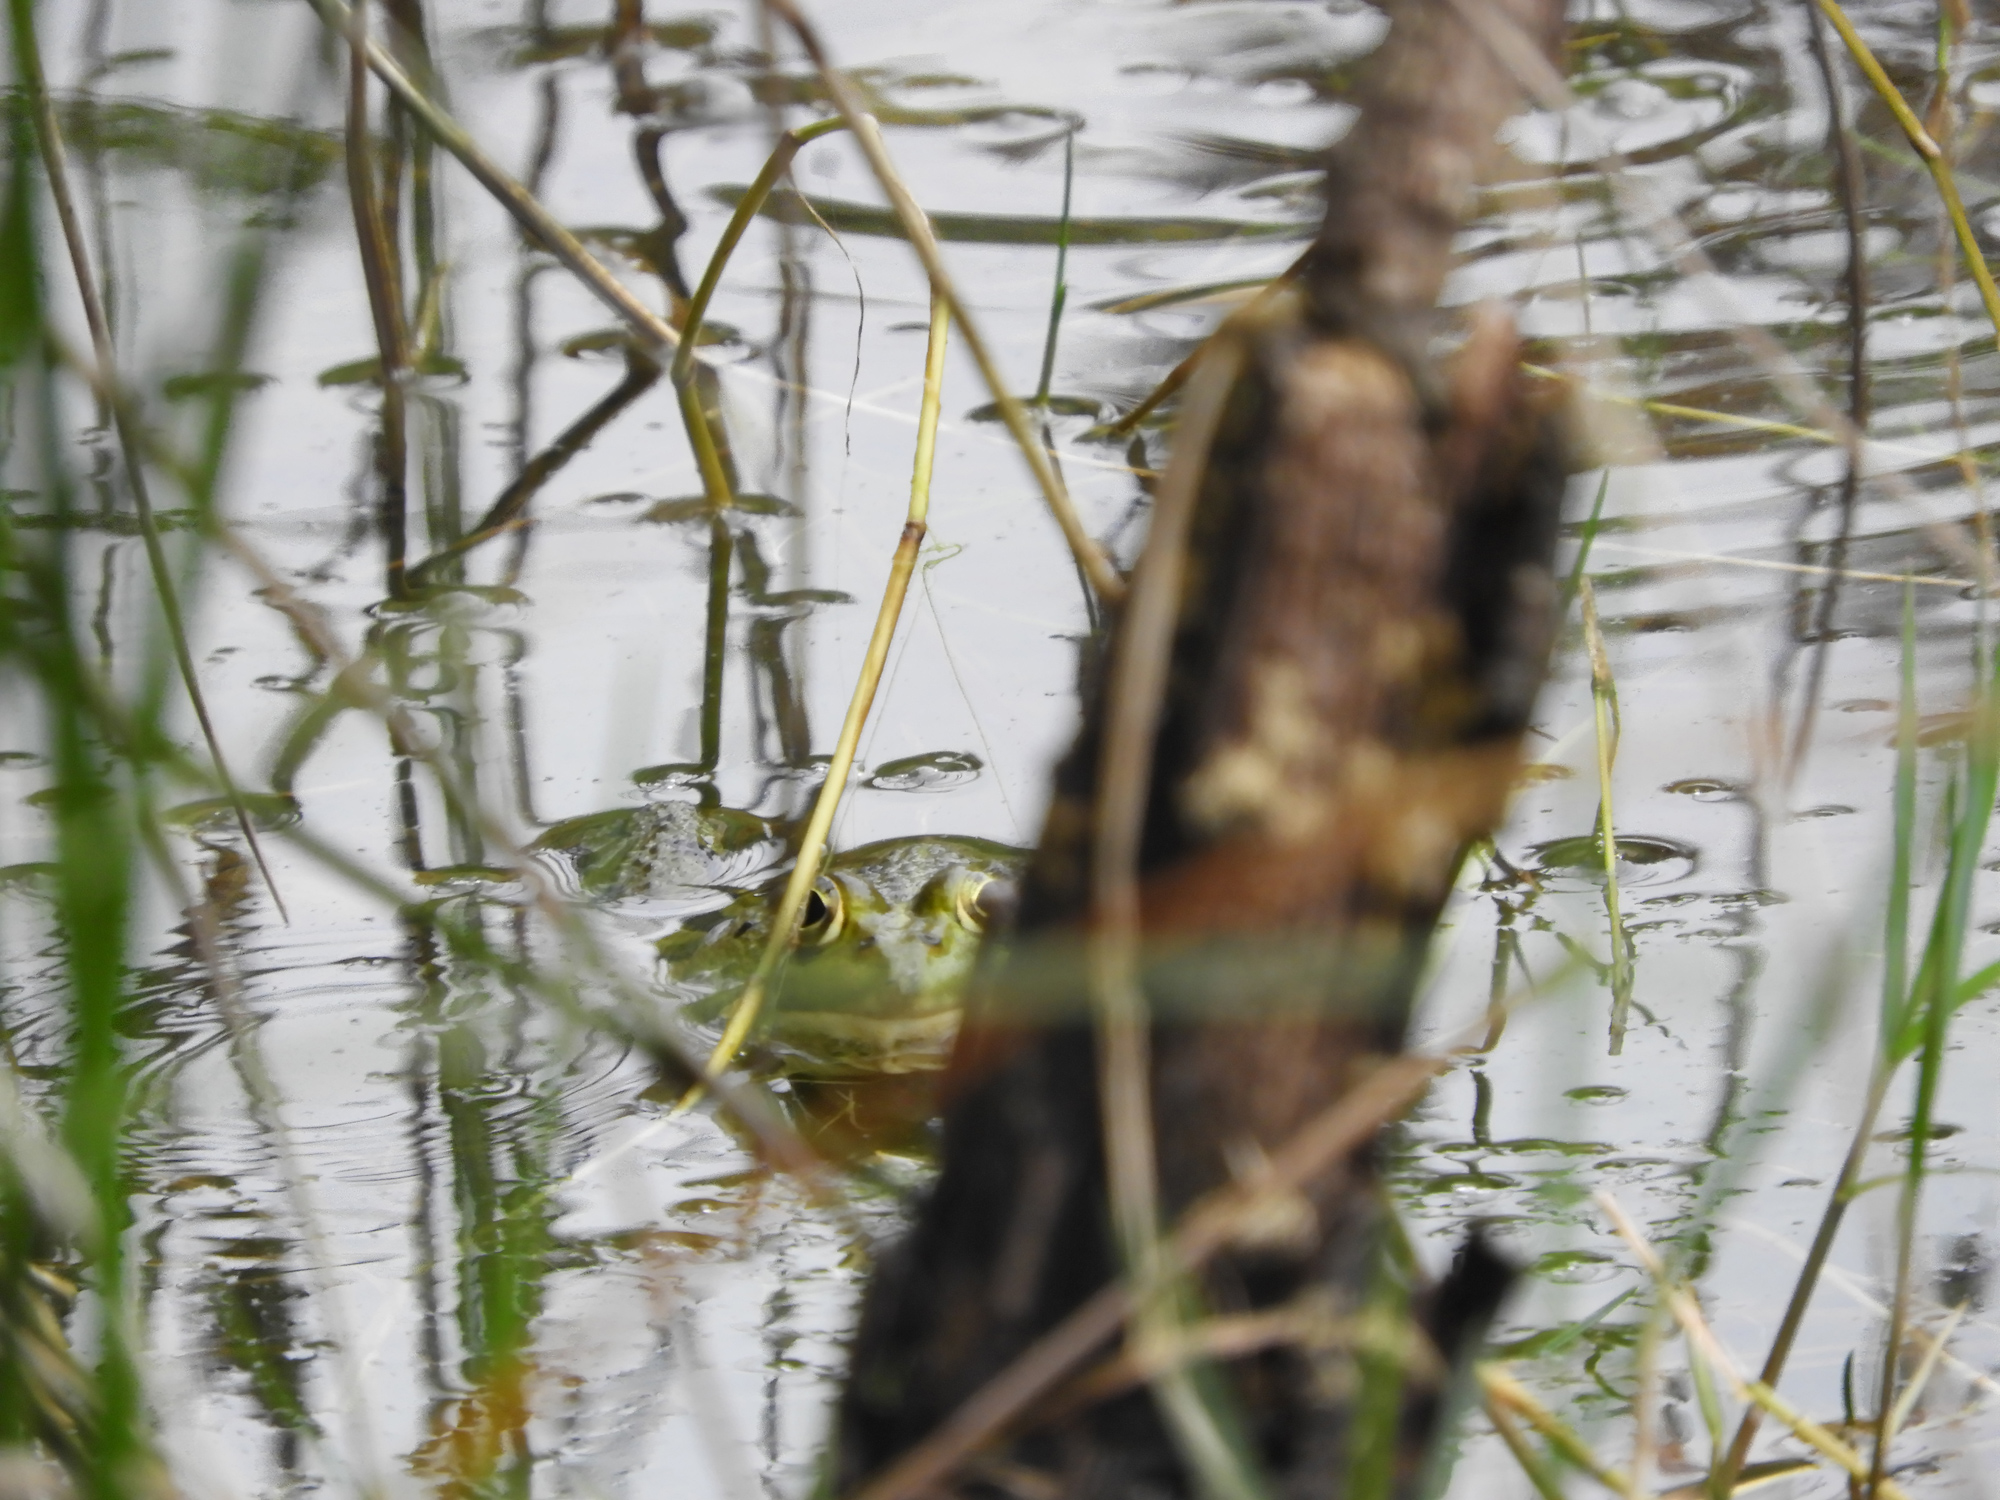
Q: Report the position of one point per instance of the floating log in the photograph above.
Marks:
(1360, 610)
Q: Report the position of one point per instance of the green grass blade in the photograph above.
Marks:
(1061, 293)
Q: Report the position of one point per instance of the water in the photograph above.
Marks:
(471, 1238)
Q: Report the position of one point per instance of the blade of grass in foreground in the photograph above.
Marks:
(92, 842)
(1933, 1000)
(49, 137)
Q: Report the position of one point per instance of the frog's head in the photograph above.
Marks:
(887, 941)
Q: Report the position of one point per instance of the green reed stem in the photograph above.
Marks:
(1933, 1000)
(715, 643)
(1604, 706)
(749, 1005)
(1686, 1310)
(385, 305)
(1934, 158)
(1895, 966)
(1588, 536)
(1379, 1399)
(92, 848)
(1896, 922)
(747, 208)
(1061, 293)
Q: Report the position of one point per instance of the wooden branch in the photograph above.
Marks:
(1361, 616)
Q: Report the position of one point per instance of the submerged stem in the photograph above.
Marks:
(55, 162)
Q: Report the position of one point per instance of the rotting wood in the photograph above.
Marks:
(1365, 608)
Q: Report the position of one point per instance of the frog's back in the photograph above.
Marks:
(661, 848)
(899, 868)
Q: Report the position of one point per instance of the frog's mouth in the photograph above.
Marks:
(834, 1045)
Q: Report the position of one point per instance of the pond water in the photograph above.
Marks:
(472, 1244)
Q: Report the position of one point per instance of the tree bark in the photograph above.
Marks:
(1364, 620)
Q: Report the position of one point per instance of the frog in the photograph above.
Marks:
(660, 850)
(887, 942)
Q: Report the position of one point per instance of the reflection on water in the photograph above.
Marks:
(462, 1241)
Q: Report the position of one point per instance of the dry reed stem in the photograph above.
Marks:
(1773, 565)
(541, 225)
(1090, 557)
(56, 163)
(1704, 1344)
(1502, 1390)
(1307, 1323)
(1935, 161)
(812, 844)
(1926, 1367)
(1546, 1484)
(267, 1103)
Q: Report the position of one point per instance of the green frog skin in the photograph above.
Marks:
(886, 945)
(661, 849)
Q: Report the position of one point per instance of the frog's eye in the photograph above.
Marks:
(824, 915)
(981, 901)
